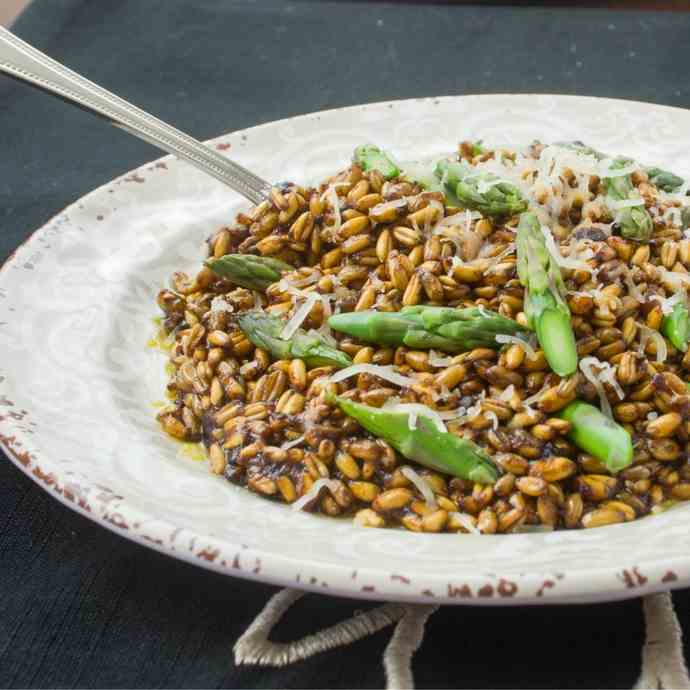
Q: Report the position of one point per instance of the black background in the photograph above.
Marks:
(82, 607)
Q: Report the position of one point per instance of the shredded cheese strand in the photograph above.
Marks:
(529, 351)
(331, 484)
(387, 373)
(466, 521)
(422, 485)
(298, 318)
(415, 410)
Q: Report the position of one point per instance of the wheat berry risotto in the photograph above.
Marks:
(493, 342)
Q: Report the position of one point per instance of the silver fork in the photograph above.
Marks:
(23, 62)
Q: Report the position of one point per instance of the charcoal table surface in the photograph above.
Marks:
(83, 607)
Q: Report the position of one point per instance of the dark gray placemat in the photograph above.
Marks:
(81, 607)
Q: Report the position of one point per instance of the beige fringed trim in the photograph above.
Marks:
(254, 647)
(663, 663)
(408, 635)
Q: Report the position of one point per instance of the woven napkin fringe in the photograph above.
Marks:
(663, 662)
(254, 647)
(407, 636)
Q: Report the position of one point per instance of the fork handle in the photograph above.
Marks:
(23, 62)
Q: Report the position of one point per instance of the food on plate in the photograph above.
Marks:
(284, 340)
(495, 341)
(249, 271)
(422, 438)
(480, 191)
(426, 327)
(369, 157)
(544, 305)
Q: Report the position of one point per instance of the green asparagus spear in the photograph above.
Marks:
(423, 174)
(425, 327)
(545, 307)
(664, 180)
(598, 435)
(676, 326)
(634, 222)
(425, 444)
(249, 271)
(265, 331)
(370, 157)
(481, 191)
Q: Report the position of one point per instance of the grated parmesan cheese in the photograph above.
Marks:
(647, 334)
(387, 373)
(332, 196)
(415, 410)
(674, 278)
(466, 521)
(219, 304)
(291, 444)
(422, 485)
(673, 216)
(562, 261)
(475, 410)
(633, 290)
(606, 374)
(332, 485)
(667, 303)
(527, 347)
(496, 260)
(387, 205)
(455, 220)
(533, 398)
(298, 318)
(490, 414)
(437, 360)
(312, 278)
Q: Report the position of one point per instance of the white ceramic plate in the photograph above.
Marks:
(77, 380)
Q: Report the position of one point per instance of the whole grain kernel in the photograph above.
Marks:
(531, 486)
(347, 465)
(602, 517)
(287, 489)
(369, 518)
(392, 499)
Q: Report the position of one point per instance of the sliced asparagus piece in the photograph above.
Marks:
(370, 157)
(426, 327)
(634, 222)
(676, 326)
(425, 444)
(545, 307)
(481, 191)
(598, 435)
(264, 331)
(248, 270)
